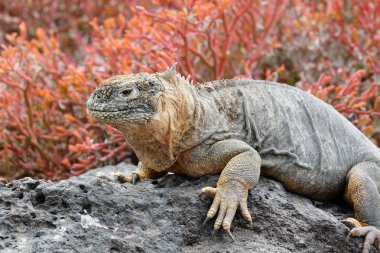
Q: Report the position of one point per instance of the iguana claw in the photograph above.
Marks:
(135, 178)
(205, 221)
(230, 234)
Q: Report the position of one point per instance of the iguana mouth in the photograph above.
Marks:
(110, 117)
(118, 111)
(132, 107)
(103, 107)
(109, 114)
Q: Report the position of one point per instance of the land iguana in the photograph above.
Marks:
(241, 129)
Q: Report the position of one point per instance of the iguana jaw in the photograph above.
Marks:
(115, 114)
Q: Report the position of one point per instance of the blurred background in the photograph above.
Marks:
(54, 53)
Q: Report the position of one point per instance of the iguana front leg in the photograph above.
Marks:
(142, 172)
(240, 165)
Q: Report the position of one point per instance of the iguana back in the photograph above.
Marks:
(297, 135)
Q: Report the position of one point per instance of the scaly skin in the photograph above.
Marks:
(240, 129)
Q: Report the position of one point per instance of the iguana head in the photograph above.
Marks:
(126, 98)
(136, 98)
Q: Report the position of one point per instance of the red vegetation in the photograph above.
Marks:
(54, 53)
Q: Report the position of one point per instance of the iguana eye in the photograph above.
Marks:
(127, 92)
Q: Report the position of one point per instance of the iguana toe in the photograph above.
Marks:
(351, 223)
(134, 178)
(370, 233)
(209, 191)
(244, 210)
(230, 213)
(221, 214)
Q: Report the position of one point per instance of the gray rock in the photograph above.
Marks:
(89, 214)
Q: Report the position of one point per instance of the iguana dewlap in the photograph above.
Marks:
(241, 128)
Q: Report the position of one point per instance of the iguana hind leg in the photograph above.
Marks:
(363, 192)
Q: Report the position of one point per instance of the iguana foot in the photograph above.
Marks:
(134, 178)
(227, 199)
(370, 233)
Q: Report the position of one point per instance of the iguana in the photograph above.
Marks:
(241, 129)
